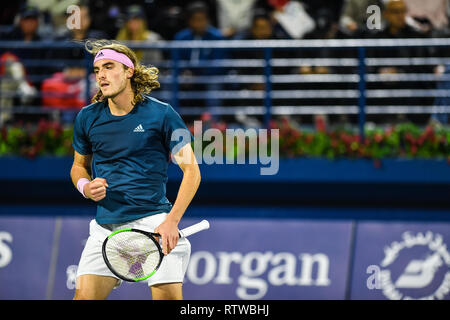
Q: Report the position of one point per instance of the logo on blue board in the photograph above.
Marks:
(417, 267)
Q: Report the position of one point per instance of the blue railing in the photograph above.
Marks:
(266, 101)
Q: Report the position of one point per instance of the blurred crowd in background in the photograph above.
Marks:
(150, 20)
(153, 20)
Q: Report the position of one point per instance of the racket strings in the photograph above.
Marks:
(132, 255)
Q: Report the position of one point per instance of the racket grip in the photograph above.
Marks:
(202, 225)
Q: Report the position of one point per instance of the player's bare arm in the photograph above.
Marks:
(81, 168)
(168, 230)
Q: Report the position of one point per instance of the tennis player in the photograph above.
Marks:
(127, 137)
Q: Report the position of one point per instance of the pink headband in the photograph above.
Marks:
(114, 55)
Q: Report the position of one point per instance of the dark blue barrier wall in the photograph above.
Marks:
(298, 181)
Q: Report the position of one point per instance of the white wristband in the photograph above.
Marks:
(80, 185)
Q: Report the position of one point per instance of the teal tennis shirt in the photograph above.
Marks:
(132, 152)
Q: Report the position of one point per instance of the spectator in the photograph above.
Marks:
(74, 55)
(135, 29)
(14, 88)
(33, 60)
(234, 16)
(292, 18)
(54, 12)
(108, 17)
(396, 23)
(199, 28)
(26, 30)
(261, 28)
(27, 27)
(436, 12)
(396, 27)
(66, 91)
(326, 26)
(84, 31)
(168, 20)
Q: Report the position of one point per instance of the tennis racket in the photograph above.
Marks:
(134, 255)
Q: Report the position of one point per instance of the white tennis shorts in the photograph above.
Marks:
(172, 268)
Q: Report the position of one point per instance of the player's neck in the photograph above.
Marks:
(121, 104)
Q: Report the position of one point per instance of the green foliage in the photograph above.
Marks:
(44, 138)
(403, 140)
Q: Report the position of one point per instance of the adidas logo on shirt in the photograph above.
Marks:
(139, 128)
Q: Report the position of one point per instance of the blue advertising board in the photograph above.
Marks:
(269, 259)
(244, 258)
(73, 234)
(234, 259)
(25, 255)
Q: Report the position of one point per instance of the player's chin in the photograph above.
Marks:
(107, 93)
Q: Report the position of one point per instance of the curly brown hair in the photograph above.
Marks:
(144, 79)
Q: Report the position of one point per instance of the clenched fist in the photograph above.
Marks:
(96, 189)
